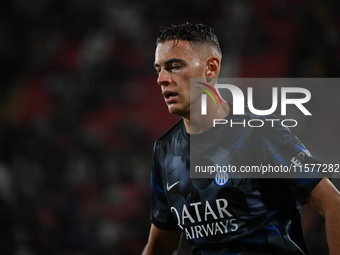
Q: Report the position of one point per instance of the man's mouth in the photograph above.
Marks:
(169, 96)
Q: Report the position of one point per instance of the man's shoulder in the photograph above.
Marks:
(172, 141)
(174, 131)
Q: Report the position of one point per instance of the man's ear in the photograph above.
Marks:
(213, 68)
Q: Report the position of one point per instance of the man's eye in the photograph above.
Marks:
(175, 67)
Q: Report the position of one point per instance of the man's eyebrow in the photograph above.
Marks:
(171, 61)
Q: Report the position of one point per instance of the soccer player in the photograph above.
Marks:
(241, 216)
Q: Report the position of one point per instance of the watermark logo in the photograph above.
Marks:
(280, 96)
(204, 97)
(255, 117)
(239, 102)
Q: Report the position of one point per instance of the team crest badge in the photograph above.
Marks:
(221, 178)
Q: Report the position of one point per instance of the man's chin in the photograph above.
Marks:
(174, 110)
(178, 112)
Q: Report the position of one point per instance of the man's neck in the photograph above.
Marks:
(197, 123)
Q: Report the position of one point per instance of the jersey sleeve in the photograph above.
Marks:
(161, 215)
(282, 147)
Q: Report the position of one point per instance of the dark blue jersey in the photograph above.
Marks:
(240, 215)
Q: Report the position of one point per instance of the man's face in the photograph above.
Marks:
(175, 64)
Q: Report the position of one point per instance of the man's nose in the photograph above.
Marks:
(163, 77)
